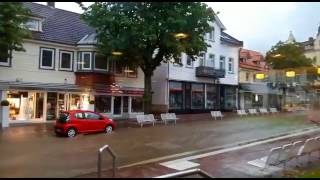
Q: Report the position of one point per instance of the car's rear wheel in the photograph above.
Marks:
(108, 129)
(71, 132)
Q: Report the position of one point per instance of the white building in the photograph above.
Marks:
(208, 83)
(61, 70)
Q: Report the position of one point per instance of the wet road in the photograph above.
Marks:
(35, 151)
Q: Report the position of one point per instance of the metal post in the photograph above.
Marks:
(101, 150)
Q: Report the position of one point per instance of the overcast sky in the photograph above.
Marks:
(258, 24)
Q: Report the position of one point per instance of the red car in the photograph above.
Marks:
(71, 123)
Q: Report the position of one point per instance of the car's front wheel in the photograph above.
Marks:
(71, 132)
(108, 129)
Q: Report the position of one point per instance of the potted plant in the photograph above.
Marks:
(91, 105)
(4, 109)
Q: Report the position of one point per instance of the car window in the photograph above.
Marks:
(79, 115)
(64, 117)
(93, 116)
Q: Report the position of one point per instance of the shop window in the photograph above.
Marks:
(176, 95)
(212, 96)
(230, 98)
(136, 104)
(103, 104)
(257, 100)
(47, 58)
(197, 96)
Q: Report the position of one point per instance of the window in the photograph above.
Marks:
(211, 35)
(202, 59)
(92, 116)
(211, 60)
(66, 60)
(176, 95)
(100, 62)
(222, 62)
(136, 104)
(79, 115)
(189, 62)
(212, 97)
(247, 76)
(33, 25)
(197, 96)
(102, 104)
(132, 72)
(230, 65)
(47, 58)
(4, 61)
(86, 60)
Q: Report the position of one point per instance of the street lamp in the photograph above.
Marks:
(290, 74)
(180, 36)
(260, 76)
(117, 53)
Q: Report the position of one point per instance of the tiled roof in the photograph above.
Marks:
(59, 26)
(250, 58)
(230, 40)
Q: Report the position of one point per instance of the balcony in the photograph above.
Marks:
(210, 72)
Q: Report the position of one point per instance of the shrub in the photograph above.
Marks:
(5, 103)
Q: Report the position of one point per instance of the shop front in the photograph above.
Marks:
(189, 97)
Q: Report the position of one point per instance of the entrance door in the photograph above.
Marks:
(117, 105)
(39, 105)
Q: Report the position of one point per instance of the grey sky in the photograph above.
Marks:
(258, 24)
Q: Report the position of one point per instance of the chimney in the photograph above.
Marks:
(51, 4)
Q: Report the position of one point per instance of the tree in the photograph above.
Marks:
(287, 55)
(144, 33)
(12, 31)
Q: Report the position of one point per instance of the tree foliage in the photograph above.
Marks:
(144, 32)
(12, 17)
(287, 55)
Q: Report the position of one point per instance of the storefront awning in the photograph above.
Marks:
(258, 88)
(6, 85)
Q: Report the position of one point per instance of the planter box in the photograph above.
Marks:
(4, 116)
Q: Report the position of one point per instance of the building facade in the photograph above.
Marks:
(210, 82)
(61, 70)
(254, 91)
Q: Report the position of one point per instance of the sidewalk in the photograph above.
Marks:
(229, 164)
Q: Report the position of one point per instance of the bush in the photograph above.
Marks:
(5, 103)
(91, 102)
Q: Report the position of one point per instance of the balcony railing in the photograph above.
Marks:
(210, 72)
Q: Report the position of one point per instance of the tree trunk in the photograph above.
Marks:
(147, 97)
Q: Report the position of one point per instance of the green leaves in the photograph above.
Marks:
(284, 56)
(138, 28)
(12, 32)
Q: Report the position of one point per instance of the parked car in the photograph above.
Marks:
(71, 123)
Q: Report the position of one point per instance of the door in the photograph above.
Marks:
(117, 105)
(187, 96)
(39, 105)
(81, 122)
(95, 121)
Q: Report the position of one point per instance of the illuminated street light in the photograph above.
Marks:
(318, 70)
(290, 74)
(260, 76)
(180, 35)
(116, 53)
(128, 71)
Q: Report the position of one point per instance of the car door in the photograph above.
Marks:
(80, 122)
(95, 123)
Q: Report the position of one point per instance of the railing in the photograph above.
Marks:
(210, 72)
(186, 173)
(101, 150)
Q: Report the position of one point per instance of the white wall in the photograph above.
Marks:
(25, 66)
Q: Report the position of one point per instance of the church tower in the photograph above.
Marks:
(291, 38)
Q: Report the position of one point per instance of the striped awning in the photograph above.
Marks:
(6, 85)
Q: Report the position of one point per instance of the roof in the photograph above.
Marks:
(59, 26)
(251, 57)
(226, 38)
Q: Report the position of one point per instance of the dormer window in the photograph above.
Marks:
(34, 24)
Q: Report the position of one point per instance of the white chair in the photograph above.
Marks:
(273, 110)
(263, 111)
(144, 119)
(253, 111)
(271, 160)
(242, 112)
(166, 117)
(216, 114)
(308, 148)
